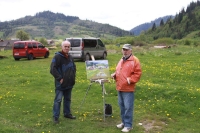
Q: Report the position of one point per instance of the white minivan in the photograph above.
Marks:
(84, 48)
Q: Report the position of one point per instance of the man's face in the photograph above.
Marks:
(126, 52)
(66, 47)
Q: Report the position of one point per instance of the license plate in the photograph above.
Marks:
(16, 53)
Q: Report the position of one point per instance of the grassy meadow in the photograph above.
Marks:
(167, 98)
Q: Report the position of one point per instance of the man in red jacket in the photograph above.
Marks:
(127, 74)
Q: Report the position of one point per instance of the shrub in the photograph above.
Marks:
(187, 42)
(139, 43)
(164, 41)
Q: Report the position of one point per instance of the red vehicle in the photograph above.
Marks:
(29, 50)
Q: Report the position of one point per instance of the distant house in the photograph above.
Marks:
(6, 44)
(51, 42)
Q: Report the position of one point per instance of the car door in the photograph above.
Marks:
(100, 48)
(76, 47)
(19, 49)
(90, 47)
(35, 49)
(41, 50)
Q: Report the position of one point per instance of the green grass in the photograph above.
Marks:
(167, 96)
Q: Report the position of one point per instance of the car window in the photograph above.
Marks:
(30, 45)
(19, 45)
(90, 43)
(100, 43)
(34, 45)
(40, 45)
(74, 42)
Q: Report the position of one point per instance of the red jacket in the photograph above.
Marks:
(127, 69)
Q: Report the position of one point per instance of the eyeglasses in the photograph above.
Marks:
(67, 46)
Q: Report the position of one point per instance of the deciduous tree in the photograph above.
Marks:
(22, 35)
(43, 41)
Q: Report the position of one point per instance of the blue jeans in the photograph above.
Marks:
(66, 103)
(126, 104)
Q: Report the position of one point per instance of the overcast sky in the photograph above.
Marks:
(125, 14)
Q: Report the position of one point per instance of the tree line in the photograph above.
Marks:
(185, 22)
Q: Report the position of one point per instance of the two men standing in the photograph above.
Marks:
(127, 74)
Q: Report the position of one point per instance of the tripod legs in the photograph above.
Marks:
(85, 96)
(103, 95)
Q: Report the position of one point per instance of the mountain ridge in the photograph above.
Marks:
(58, 26)
(43, 23)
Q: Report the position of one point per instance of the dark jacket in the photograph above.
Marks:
(63, 68)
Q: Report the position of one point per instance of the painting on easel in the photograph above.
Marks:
(97, 69)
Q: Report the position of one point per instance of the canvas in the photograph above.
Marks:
(97, 69)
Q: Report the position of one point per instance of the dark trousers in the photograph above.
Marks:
(66, 95)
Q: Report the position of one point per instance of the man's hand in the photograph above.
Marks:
(61, 81)
(112, 75)
(128, 80)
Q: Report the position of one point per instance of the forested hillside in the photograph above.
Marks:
(144, 27)
(186, 22)
(56, 25)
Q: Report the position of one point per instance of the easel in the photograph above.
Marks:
(101, 82)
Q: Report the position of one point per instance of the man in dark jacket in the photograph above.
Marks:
(63, 70)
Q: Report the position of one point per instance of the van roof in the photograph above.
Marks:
(82, 38)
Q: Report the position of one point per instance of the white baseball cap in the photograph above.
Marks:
(127, 46)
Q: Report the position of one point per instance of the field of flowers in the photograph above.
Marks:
(167, 96)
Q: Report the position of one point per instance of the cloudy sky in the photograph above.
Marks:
(125, 14)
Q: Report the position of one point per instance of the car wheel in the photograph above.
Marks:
(104, 55)
(30, 56)
(46, 55)
(87, 57)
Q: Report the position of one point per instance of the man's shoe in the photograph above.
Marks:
(126, 129)
(55, 120)
(121, 125)
(70, 116)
